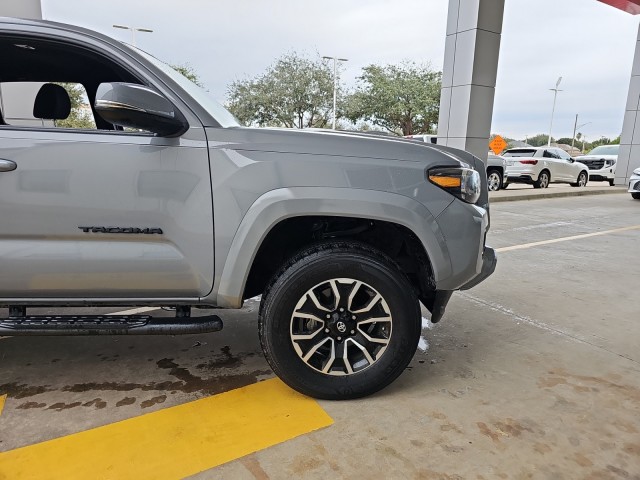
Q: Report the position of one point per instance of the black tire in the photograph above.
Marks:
(581, 181)
(494, 179)
(636, 195)
(309, 274)
(612, 182)
(543, 180)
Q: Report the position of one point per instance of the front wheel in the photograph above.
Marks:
(581, 180)
(494, 180)
(636, 195)
(339, 321)
(612, 182)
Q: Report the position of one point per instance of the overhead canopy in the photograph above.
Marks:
(629, 6)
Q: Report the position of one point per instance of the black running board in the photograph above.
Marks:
(107, 325)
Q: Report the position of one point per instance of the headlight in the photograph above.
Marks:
(636, 171)
(463, 183)
(609, 163)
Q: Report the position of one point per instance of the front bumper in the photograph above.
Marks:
(634, 184)
(489, 262)
(602, 174)
(442, 297)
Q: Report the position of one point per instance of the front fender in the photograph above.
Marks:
(278, 205)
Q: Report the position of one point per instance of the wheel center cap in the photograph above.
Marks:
(341, 326)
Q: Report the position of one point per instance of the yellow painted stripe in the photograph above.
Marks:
(175, 442)
(566, 239)
(3, 398)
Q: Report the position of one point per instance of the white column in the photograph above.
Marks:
(469, 74)
(629, 155)
(21, 8)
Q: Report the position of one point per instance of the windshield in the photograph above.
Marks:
(204, 98)
(605, 150)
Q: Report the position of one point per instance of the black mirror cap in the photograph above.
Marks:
(138, 106)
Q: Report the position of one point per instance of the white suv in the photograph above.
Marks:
(540, 166)
(602, 163)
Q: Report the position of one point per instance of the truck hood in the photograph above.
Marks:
(329, 142)
(596, 157)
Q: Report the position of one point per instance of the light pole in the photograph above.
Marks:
(555, 94)
(575, 129)
(133, 32)
(335, 83)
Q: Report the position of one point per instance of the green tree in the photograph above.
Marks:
(539, 140)
(294, 92)
(81, 115)
(189, 72)
(403, 97)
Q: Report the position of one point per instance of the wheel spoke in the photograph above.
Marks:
(366, 353)
(345, 357)
(336, 293)
(312, 296)
(378, 340)
(296, 337)
(309, 316)
(315, 348)
(354, 290)
(370, 305)
(332, 358)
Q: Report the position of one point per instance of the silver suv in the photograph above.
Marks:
(162, 199)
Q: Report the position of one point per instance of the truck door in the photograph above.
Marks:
(88, 211)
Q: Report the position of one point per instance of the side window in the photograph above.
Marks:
(31, 104)
(562, 154)
(52, 84)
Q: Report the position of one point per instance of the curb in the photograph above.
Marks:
(540, 196)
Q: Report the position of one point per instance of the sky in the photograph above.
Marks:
(588, 43)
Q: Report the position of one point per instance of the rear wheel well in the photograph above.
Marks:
(293, 234)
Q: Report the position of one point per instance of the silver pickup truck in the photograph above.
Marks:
(167, 201)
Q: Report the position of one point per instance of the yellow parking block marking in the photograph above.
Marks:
(175, 442)
(3, 398)
(565, 239)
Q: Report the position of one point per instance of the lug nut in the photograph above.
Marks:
(353, 317)
(353, 332)
(326, 330)
(328, 316)
(339, 339)
(341, 309)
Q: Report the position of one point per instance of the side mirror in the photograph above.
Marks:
(138, 106)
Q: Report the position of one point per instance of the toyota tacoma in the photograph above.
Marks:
(163, 199)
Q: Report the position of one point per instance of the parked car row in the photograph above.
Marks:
(541, 166)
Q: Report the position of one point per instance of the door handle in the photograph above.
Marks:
(7, 165)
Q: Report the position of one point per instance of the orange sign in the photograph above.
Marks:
(497, 145)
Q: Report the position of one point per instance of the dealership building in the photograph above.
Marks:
(470, 67)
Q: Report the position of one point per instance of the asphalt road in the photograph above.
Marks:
(533, 374)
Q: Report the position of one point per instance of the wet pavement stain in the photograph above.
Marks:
(63, 406)
(185, 382)
(126, 401)
(226, 359)
(16, 390)
(29, 405)
(153, 401)
(96, 402)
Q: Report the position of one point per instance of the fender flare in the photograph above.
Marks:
(280, 204)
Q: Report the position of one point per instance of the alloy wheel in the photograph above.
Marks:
(341, 326)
